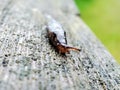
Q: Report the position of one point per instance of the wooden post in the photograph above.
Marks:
(28, 62)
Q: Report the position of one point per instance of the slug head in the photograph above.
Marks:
(65, 49)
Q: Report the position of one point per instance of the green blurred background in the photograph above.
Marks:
(103, 17)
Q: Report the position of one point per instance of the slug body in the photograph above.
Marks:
(57, 36)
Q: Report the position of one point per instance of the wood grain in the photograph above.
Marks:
(28, 62)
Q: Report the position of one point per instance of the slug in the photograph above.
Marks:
(57, 36)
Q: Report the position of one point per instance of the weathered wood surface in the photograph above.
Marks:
(28, 62)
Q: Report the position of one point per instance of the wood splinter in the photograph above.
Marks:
(57, 36)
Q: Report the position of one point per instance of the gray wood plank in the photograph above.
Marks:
(28, 62)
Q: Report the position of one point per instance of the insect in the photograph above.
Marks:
(57, 36)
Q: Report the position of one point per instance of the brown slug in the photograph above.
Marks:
(57, 37)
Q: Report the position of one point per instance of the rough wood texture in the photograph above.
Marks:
(28, 62)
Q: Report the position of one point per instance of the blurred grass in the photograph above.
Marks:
(103, 17)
